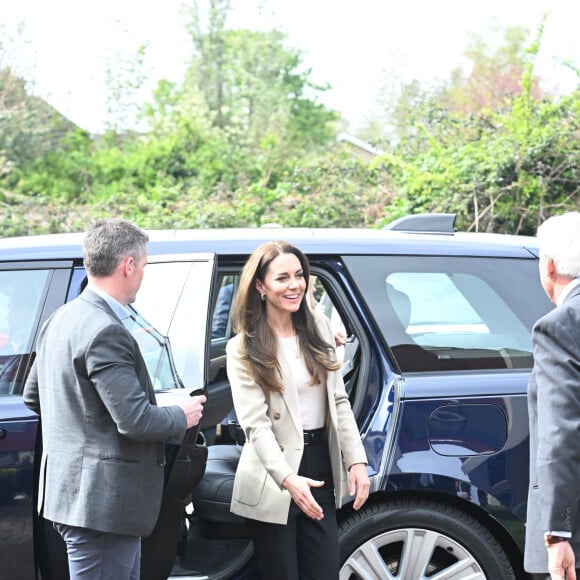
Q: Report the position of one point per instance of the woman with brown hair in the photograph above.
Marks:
(303, 451)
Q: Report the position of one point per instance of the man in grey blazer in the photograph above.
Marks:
(552, 528)
(102, 466)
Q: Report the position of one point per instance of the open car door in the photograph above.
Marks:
(169, 322)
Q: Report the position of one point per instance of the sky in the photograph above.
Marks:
(357, 46)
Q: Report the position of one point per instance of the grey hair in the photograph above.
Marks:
(108, 241)
(559, 239)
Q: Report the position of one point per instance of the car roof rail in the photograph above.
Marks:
(432, 223)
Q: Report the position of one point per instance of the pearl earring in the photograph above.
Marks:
(262, 296)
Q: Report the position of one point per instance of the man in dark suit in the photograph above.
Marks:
(552, 528)
(102, 466)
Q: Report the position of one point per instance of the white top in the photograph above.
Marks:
(312, 397)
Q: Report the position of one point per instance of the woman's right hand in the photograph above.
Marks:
(299, 488)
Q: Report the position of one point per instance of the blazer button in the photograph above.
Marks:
(281, 447)
(276, 415)
(161, 463)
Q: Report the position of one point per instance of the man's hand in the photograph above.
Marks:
(299, 488)
(193, 409)
(561, 562)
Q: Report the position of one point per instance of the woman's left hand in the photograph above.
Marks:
(359, 482)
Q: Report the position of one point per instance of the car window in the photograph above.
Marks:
(442, 311)
(21, 295)
(156, 350)
(174, 299)
(220, 325)
(221, 328)
(454, 313)
(322, 302)
(346, 343)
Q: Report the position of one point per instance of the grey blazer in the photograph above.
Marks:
(554, 412)
(102, 463)
(274, 440)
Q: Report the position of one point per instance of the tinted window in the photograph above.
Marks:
(21, 294)
(174, 299)
(156, 351)
(220, 320)
(453, 313)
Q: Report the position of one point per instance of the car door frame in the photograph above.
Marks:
(37, 556)
(160, 548)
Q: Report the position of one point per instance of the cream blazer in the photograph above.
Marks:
(274, 441)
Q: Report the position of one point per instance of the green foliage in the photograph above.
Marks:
(243, 141)
(29, 127)
(501, 172)
(66, 172)
(488, 146)
(495, 76)
(252, 84)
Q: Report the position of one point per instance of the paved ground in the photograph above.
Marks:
(16, 557)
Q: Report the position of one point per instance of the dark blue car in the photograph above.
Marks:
(436, 364)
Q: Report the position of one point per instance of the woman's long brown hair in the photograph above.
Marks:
(258, 339)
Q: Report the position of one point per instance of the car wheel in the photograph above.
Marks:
(418, 539)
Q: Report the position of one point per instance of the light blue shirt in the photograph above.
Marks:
(119, 309)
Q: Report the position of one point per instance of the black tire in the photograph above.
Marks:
(416, 539)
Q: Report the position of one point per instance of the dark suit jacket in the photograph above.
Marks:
(554, 411)
(103, 436)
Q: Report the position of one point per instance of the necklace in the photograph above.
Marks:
(291, 342)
